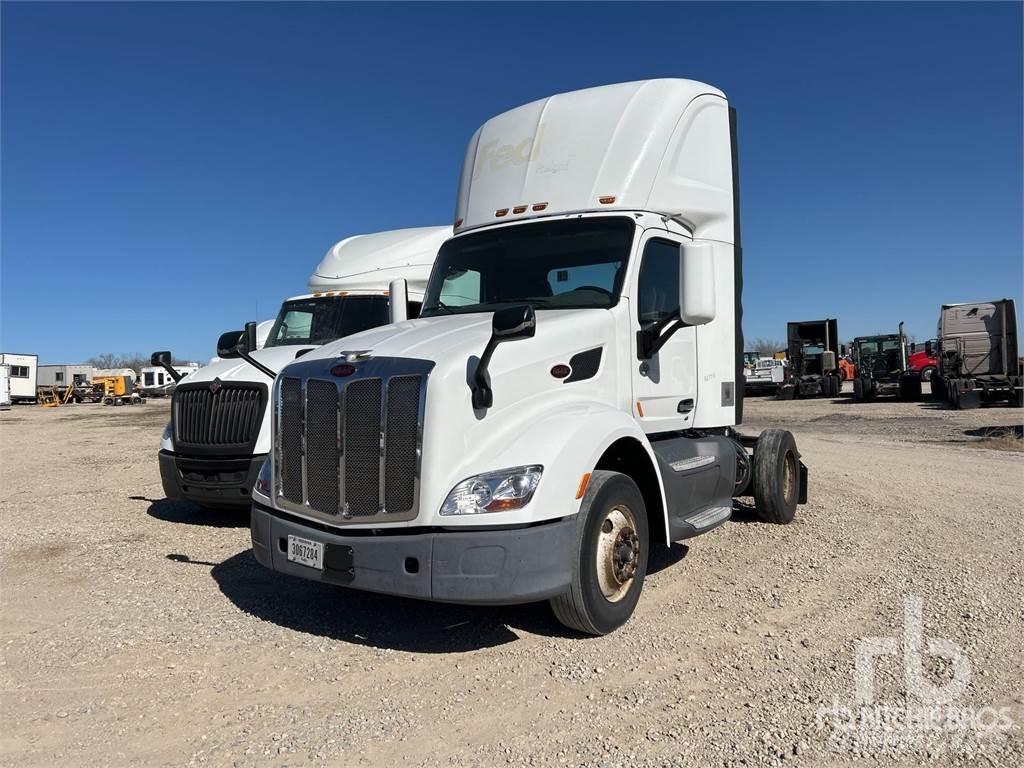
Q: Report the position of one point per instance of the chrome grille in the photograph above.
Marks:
(347, 449)
(221, 418)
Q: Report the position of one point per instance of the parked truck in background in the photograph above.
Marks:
(883, 368)
(219, 433)
(813, 349)
(765, 374)
(978, 354)
(570, 392)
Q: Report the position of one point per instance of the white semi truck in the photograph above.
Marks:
(568, 395)
(218, 436)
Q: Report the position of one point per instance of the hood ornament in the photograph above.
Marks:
(354, 356)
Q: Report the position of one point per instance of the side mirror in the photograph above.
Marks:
(929, 349)
(162, 359)
(398, 300)
(228, 343)
(514, 323)
(913, 347)
(696, 284)
(508, 324)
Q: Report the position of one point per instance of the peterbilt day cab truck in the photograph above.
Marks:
(219, 433)
(883, 368)
(569, 394)
(813, 349)
(978, 355)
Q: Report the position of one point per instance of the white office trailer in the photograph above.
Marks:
(23, 375)
(570, 391)
(155, 381)
(219, 434)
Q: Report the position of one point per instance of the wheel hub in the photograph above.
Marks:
(618, 553)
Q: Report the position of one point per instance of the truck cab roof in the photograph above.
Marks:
(652, 145)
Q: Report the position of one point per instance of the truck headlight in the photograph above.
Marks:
(493, 492)
(263, 479)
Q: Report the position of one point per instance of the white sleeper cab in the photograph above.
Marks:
(219, 433)
(569, 393)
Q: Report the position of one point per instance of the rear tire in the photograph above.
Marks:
(610, 556)
(928, 373)
(776, 476)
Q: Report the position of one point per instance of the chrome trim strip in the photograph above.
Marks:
(382, 442)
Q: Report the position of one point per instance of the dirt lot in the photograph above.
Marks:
(141, 631)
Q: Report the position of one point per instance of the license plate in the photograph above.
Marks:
(306, 552)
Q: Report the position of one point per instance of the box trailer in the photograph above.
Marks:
(570, 392)
(219, 433)
(23, 374)
(978, 354)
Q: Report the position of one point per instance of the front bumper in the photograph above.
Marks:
(210, 482)
(484, 567)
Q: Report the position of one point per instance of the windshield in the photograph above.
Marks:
(321, 319)
(567, 264)
(874, 346)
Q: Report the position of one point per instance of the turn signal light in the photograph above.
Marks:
(606, 200)
(539, 206)
(519, 209)
(501, 212)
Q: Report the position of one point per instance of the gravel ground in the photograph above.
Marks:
(141, 631)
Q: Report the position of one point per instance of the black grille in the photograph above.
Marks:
(362, 447)
(290, 437)
(330, 434)
(401, 441)
(322, 445)
(224, 420)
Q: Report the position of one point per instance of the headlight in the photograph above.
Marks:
(493, 492)
(263, 479)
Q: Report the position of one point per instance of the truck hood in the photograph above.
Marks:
(275, 358)
(451, 341)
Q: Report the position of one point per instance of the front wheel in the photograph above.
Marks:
(776, 476)
(927, 373)
(610, 557)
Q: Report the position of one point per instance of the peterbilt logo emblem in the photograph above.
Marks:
(216, 386)
(352, 356)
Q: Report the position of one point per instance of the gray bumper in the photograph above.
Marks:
(210, 482)
(518, 565)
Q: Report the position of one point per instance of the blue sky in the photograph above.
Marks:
(170, 171)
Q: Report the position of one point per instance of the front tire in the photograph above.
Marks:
(612, 545)
(776, 476)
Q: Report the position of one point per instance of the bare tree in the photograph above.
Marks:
(766, 347)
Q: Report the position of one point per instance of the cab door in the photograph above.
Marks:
(664, 385)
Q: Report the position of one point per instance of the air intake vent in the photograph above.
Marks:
(214, 418)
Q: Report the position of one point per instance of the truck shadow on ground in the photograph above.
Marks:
(187, 513)
(384, 621)
(1008, 431)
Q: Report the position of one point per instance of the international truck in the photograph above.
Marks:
(978, 355)
(883, 368)
(813, 349)
(219, 433)
(568, 397)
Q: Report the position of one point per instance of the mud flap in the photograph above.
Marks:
(802, 495)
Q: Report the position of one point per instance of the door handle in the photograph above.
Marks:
(685, 406)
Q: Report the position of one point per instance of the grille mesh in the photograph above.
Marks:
(362, 447)
(330, 445)
(401, 439)
(322, 444)
(290, 427)
(229, 417)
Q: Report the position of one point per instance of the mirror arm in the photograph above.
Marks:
(651, 340)
(256, 363)
(173, 373)
(483, 396)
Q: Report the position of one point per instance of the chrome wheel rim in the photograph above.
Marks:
(618, 553)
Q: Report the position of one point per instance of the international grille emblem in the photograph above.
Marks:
(215, 386)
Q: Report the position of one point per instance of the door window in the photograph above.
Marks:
(658, 285)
